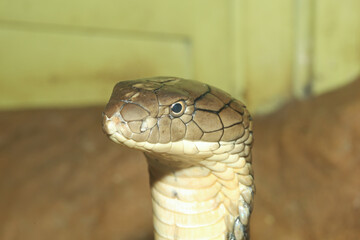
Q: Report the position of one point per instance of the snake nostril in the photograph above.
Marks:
(109, 125)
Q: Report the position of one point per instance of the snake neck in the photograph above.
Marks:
(199, 202)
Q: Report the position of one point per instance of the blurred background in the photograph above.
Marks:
(294, 63)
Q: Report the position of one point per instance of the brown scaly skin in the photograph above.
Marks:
(197, 140)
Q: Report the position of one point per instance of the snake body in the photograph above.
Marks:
(197, 140)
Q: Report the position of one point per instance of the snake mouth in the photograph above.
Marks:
(112, 127)
(108, 125)
(195, 150)
(118, 131)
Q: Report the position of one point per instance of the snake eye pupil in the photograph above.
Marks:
(177, 109)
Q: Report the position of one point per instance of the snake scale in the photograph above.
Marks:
(197, 141)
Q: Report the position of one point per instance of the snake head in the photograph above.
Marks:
(173, 116)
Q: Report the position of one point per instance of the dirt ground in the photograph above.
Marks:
(61, 178)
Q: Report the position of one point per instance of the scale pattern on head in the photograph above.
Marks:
(167, 110)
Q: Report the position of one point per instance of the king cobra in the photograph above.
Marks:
(197, 141)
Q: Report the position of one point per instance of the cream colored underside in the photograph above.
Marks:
(202, 201)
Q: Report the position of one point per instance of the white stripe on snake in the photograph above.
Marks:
(197, 140)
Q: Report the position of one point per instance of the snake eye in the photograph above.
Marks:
(177, 109)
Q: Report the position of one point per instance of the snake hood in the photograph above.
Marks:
(173, 115)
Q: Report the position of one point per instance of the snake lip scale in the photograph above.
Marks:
(197, 140)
